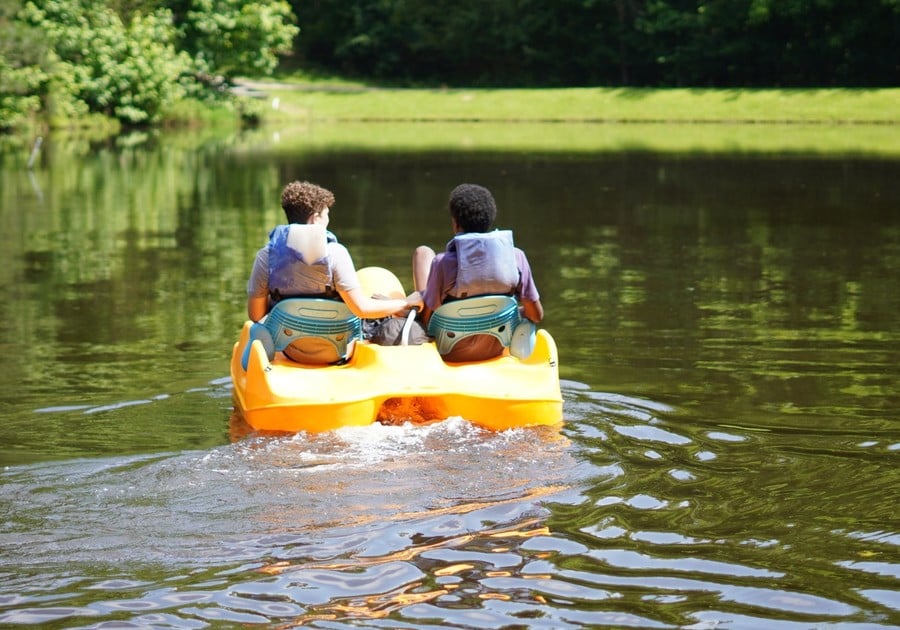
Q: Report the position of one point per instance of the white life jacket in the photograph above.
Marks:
(298, 262)
(486, 263)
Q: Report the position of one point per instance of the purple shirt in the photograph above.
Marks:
(442, 279)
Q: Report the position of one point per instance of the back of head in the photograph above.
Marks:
(473, 208)
(301, 200)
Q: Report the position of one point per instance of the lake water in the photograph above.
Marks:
(728, 322)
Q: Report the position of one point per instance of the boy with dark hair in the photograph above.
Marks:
(477, 261)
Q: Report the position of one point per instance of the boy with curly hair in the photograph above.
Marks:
(280, 272)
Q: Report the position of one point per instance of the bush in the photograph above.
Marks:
(130, 73)
(21, 75)
(235, 36)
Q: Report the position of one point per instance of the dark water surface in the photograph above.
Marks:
(729, 335)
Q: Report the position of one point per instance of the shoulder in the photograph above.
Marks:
(521, 258)
(262, 256)
(278, 235)
(443, 265)
(337, 251)
(341, 265)
(339, 259)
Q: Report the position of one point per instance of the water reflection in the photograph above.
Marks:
(728, 331)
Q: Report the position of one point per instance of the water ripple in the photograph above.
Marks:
(636, 513)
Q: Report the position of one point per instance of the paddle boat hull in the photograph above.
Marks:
(394, 384)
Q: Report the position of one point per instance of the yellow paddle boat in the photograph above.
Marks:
(365, 382)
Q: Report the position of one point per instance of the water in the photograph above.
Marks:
(729, 338)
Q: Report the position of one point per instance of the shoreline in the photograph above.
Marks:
(359, 103)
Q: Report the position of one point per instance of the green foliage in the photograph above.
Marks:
(21, 74)
(699, 43)
(229, 37)
(134, 59)
(130, 60)
(129, 72)
(16, 104)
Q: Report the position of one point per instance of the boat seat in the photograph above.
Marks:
(494, 315)
(308, 330)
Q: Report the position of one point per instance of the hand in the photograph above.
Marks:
(414, 300)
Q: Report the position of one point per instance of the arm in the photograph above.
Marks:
(348, 287)
(533, 310)
(527, 292)
(426, 315)
(258, 286)
(256, 307)
(370, 308)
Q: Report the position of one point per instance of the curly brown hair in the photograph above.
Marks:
(300, 200)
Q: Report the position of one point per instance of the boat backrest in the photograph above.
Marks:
(494, 315)
(316, 329)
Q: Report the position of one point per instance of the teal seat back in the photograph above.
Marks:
(318, 330)
(494, 315)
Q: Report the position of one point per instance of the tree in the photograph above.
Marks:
(231, 37)
(21, 74)
(720, 43)
(129, 72)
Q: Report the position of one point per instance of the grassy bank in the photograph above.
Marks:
(349, 102)
(328, 114)
(337, 115)
(576, 138)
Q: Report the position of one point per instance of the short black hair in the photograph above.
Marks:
(473, 208)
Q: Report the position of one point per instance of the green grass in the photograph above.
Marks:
(331, 114)
(334, 100)
(576, 138)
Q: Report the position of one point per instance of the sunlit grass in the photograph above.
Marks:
(348, 101)
(574, 138)
(350, 115)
